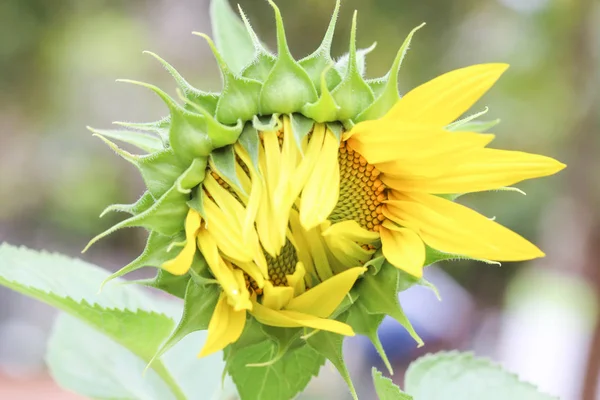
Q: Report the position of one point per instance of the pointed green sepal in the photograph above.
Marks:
(167, 282)
(141, 205)
(166, 216)
(341, 64)
(145, 142)
(266, 123)
(329, 345)
(470, 124)
(192, 176)
(433, 255)
(317, 65)
(337, 128)
(159, 170)
(250, 142)
(325, 108)
(378, 294)
(154, 255)
(197, 201)
(239, 97)
(188, 131)
(263, 60)
(206, 100)
(301, 127)
(199, 304)
(223, 161)
(353, 94)
(367, 325)
(219, 134)
(161, 127)
(389, 95)
(287, 87)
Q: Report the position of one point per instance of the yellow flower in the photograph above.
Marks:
(287, 240)
(419, 159)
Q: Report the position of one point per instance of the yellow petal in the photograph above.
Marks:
(445, 98)
(453, 228)
(276, 297)
(323, 299)
(344, 240)
(485, 169)
(296, 280)
(321, 192)
(351, 230)
(228, 234)
(294, 319)
(228, 278)
(403, 248)
(425, 149)
(224, 328)
(181, 264)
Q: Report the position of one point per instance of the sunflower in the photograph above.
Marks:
(288, 184)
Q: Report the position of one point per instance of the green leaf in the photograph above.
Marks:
(231, 37)
(88, 363)
(84, 361)
(122, 313)
(379, 295)
(385, 388)
(454, 375)
(329, 345)
(283, 379)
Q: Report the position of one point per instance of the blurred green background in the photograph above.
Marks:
(58, 63)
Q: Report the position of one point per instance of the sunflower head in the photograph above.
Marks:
(289, 209)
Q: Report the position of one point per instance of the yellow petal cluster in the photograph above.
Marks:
(288, 239)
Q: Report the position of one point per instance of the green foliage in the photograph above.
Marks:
(385, 388)
(454, 375)
(122, 313)
(259, 373)
(87, 362)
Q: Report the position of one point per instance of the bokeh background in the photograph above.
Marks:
(58, 64)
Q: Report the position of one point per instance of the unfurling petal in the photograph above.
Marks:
(456, 229)
(276, 297)
(403, 248)
(294, 319)
(445, 98)
(224, 328)
(484, 169)
(232, 281)
(181, 264)
(320, 194)
(323, 299)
